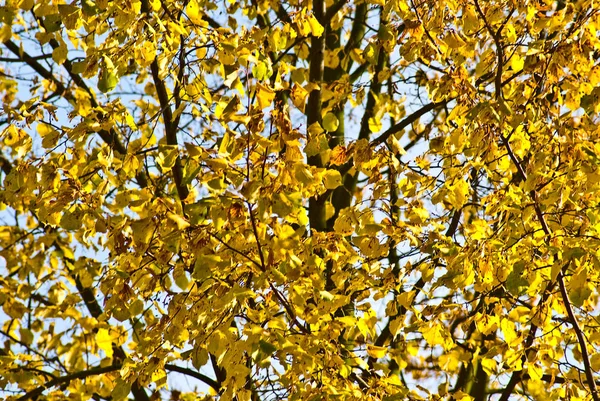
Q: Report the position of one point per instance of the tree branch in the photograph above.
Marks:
(112, 368)
(87, 294)
(65, 379)
(565, 297)
(170, 129)
(334, 8)
(316, 208)
(496, 36)
(580, 338)
(196, 375)
(109, 137)
(408, 121)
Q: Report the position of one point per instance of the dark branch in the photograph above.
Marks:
(66, 379)
(196, 375)
(407, 121)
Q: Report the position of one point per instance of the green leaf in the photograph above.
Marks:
(579, 289)
(267, 347)
(515, 283)
(330, 122)
(52, 22)
(121, 390)
(136, 308)
(108, 81)
(202, 266)
(89, 7)
(26, 335)
(71, 220)
(121, 313)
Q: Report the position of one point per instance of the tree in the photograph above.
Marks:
(321, 199)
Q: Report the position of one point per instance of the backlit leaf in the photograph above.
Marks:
(105, 342)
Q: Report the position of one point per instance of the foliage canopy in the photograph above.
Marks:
(320, 199)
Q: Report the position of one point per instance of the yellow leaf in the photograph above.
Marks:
(435, 334)
(470, 20)
(59, 54)
(303, 174)
(461, 396)
(26, 335)
(478, 229)
(159, 376)
(26, 4)
(458, 193)
(349, 321)
(489, 365)
(397, 148)
(375, 351)
(595, 361)
(105, 342)
(181, 278)
(315, 27)
(338, 155)
(396, 325)
(145, 53)
(418, 215)
(193, 12)
(142, 231)
(202, 266)
(579, 289)
(302, 216)
(370, 246)
(5, 233)
(167, 157)
(265, 95)
(6, 32)
(511, 34)
(345, 222)
(155, 4)
(317, 141)
(405, 299)
(345, 371)
(329, 210)
(454, 41)
(224, 111)
(298, 96)
(370, 53)
(332, 179)
(182, 223)
(225, 143)
(375, 124)
(509, 332)
(315, 129)
(194, 151)
(44, 129)
(573, 100)
(230, 79)
(517, 62)
(535, 372)
(18, 139)
(107, 80)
